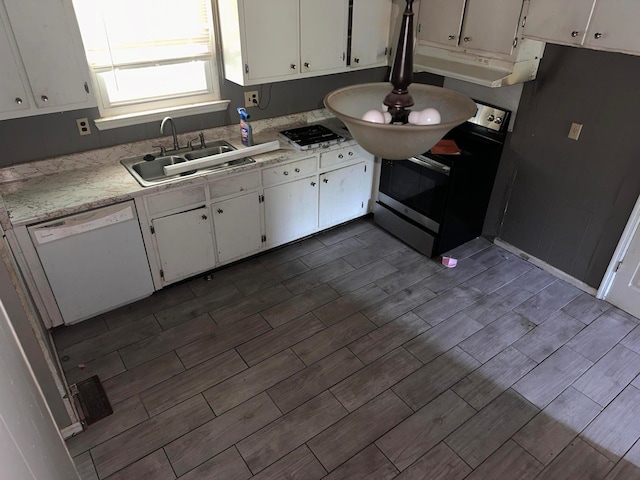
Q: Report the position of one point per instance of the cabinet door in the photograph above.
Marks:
(185, 244)
(323, 34)
(14, 95)
(558, 22)
(236, 223)
(440, 21)
(491, 26)
(614, 26)
(291, 210)
(271, 31)
(50, 47)
(371, 20)
(344, 194)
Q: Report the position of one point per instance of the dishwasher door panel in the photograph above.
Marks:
(94, 262)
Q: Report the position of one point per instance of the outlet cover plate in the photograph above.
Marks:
(574, 131)
(250, 97)
(83, 126)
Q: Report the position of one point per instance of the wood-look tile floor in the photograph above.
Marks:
(350, 356)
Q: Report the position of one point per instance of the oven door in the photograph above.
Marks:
(416, 188)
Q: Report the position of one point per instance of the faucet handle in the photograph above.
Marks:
(190, 143)
(163, 150)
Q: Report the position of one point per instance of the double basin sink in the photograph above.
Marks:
(149, 170)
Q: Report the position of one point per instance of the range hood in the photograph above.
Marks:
(478, 69)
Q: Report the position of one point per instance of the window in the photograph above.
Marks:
(149, 55)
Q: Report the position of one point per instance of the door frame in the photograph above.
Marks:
(621, 250)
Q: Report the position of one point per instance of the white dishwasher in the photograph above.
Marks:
(94, 261)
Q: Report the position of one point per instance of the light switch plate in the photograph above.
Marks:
(574, 131)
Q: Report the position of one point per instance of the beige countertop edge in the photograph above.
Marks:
(46, 197)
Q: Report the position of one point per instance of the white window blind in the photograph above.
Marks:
(147, 54)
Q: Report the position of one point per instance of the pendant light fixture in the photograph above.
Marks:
(390, 121)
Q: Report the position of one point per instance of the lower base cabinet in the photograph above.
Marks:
(237, 227)
(291, 210)
(344, 194)
(185, 244)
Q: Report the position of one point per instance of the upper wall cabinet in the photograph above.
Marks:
(370, 33)
(596, 24)
(44, 68)
(282, 39)
(487, 26)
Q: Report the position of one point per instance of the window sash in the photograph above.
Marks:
(172, 37)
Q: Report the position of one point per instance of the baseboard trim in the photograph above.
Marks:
(546, 267)
(71, 430)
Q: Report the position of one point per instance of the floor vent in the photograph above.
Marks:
(91, 400)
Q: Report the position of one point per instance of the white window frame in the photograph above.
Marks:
(118, 114)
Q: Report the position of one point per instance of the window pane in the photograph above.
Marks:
(156, 82)
(121, 32)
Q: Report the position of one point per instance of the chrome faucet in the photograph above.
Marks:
(176, 146)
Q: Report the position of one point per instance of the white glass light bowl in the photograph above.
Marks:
(398, 142)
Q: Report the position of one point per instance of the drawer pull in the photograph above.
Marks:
(18, 100)
(326, 180)
(204, 217)
(285, 173)
(220, 210)
(340, 156)
(313, 184)
(351, 154)
(297, 170)
(44, 98)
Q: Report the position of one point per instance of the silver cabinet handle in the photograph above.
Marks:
(297, 170)
(18, 100)
(597, 35)
(293, 66)
(44, 98)
(575, 33)
(220, 210)
(351, 154)
(452, 37)
(285, 173)
(325, 180)
(467, 39)
(307, 65)
(204, 217)
(340, 156)
(356, 60)
(313, 184)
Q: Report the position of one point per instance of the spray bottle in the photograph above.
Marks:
(246, 132)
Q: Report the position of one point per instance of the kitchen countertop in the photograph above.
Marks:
(52, 188)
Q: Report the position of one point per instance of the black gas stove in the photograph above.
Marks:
(311, 136)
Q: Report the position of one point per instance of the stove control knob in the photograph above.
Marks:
(498, 120)
(491, 118)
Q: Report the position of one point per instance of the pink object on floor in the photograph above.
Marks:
(449, 262)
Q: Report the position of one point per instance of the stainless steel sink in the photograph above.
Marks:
(149, 170)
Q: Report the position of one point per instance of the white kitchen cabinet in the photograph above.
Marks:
(558, 22)
(483, 26)
(597, 24)
(282, 39)
(614, 27)
(184, 243)
(41, 46)
(344, 194)
(291, 210)
(370, 25)
(237, 227)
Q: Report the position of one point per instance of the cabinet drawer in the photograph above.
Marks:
(337, 156)
(230, 185)
(172, 199)
(289, 171)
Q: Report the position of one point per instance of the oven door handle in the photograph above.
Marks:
(431, 164)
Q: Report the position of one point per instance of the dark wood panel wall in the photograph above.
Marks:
(566, 202)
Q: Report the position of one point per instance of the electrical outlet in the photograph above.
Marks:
(83, 126)
(574, 131)
(251, 99)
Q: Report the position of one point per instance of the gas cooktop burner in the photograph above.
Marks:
(311, 136)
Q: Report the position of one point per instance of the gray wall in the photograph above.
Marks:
(46, 136)
(567, 201)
